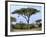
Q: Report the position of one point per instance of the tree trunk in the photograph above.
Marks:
(28, 18)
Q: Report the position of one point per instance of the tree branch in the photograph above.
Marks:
(25, 17)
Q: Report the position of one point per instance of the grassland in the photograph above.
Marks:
(25, 27)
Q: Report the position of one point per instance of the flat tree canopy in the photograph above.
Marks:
(13, 19)
(26, 12)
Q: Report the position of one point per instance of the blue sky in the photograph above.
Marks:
(33, 18)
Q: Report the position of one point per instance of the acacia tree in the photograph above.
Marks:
(26, 12)
(38, 20)
(13, 19)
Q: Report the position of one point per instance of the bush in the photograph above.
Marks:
(12, 26)
(40, 25)
(19, 26)
(23, 26)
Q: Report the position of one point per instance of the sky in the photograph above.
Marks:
(33, 18)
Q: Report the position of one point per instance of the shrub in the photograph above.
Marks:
(17, 26)
(25, 27)
(40, 25)
(20, 25)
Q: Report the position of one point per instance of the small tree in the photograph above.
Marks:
(39, 22)
(12, 19)
(26, 12)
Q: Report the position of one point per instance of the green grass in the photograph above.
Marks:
(24, 26)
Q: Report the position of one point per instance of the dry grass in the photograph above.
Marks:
(19, 30)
